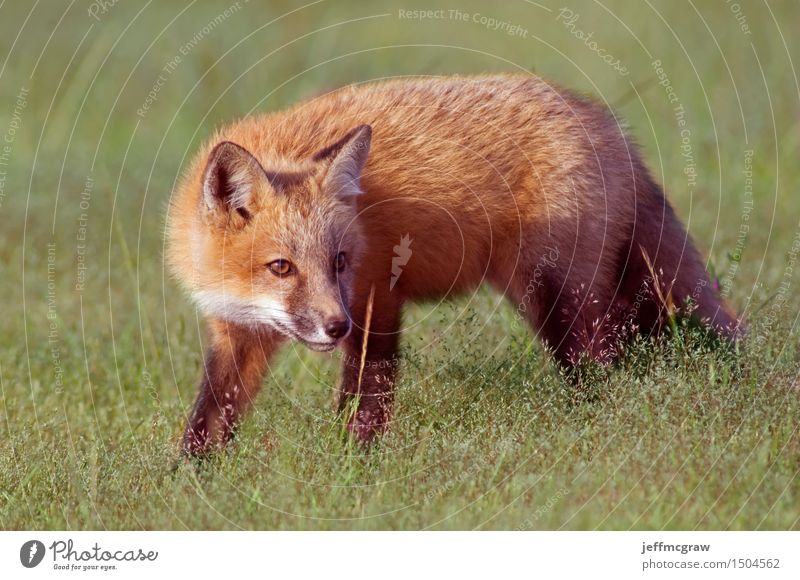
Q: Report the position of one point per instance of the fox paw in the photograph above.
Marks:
(366, 425)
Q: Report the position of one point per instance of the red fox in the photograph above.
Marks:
(319, 223)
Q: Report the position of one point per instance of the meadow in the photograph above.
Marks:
(102, 105)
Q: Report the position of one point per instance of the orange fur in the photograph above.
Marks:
(499, 179)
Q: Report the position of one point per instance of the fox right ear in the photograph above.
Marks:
(345, 161)
(230, 183)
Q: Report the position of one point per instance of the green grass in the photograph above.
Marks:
(96, 380)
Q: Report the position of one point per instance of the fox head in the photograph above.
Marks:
(278, 244)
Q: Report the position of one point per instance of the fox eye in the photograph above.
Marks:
(281, 267)
(339, 262)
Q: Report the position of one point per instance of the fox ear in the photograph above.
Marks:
(230, 183)
(347, 158)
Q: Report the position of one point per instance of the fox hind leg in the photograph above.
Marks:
(574, 319)
(661, 264)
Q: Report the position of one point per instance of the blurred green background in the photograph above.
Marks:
(101, 106)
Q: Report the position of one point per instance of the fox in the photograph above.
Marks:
(317, 224)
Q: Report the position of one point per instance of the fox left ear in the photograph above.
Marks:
(230, 183)
(347, 158)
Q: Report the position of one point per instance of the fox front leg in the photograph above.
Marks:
(370, 366)
(233, 371)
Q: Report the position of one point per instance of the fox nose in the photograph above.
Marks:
(337, 328)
